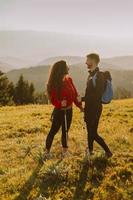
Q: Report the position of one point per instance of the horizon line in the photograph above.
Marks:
(66, 33)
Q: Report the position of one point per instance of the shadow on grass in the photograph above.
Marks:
(79, 192)
(44, 185)
(51, 181)
(94, 175)
(100, 165)
(27, 187)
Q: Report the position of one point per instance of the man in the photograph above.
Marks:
(93, 103)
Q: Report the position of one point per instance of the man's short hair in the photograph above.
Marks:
(94, 56)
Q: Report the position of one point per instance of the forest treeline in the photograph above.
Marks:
(23, 92)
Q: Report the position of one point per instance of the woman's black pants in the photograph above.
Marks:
(58, 121)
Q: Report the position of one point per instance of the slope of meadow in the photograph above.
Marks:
(23, 130)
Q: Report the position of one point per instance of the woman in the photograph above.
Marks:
(62, 93)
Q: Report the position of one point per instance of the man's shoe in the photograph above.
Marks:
(88, 155)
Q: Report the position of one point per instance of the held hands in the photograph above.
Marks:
(79, 99)
(81, 109)
(63, 103)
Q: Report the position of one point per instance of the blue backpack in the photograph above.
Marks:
(108, 91)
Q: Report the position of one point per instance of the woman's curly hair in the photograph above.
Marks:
(57, 73)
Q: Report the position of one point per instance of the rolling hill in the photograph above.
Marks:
(69, 59)
(19, 49)
(115, 63)
(9, 63)
(122, 62)
(5, 67)
(39, 75)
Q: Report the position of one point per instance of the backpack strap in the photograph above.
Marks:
(97, 75)
(94, 79)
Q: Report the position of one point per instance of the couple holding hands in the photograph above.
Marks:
(62, 93)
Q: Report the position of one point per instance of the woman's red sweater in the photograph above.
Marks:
(68, 93)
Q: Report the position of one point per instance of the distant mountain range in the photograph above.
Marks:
(122, 77)
(29, 48)
(27, 53)
(5, 67)
(69, 59)
(10, 63)
(121, 62)
(118, 63)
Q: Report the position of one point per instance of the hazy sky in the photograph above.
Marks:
(91, 17)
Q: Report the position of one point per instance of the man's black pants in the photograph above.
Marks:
(92, 126)
(58, 121)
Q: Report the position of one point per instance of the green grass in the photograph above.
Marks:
(23, 130)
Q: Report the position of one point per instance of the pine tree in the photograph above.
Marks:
(24, 93)
(31, 93)
(19, 91)
(6, 90)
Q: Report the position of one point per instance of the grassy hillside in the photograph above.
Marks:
(23, 130)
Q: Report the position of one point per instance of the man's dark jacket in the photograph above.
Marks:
(93, 95)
